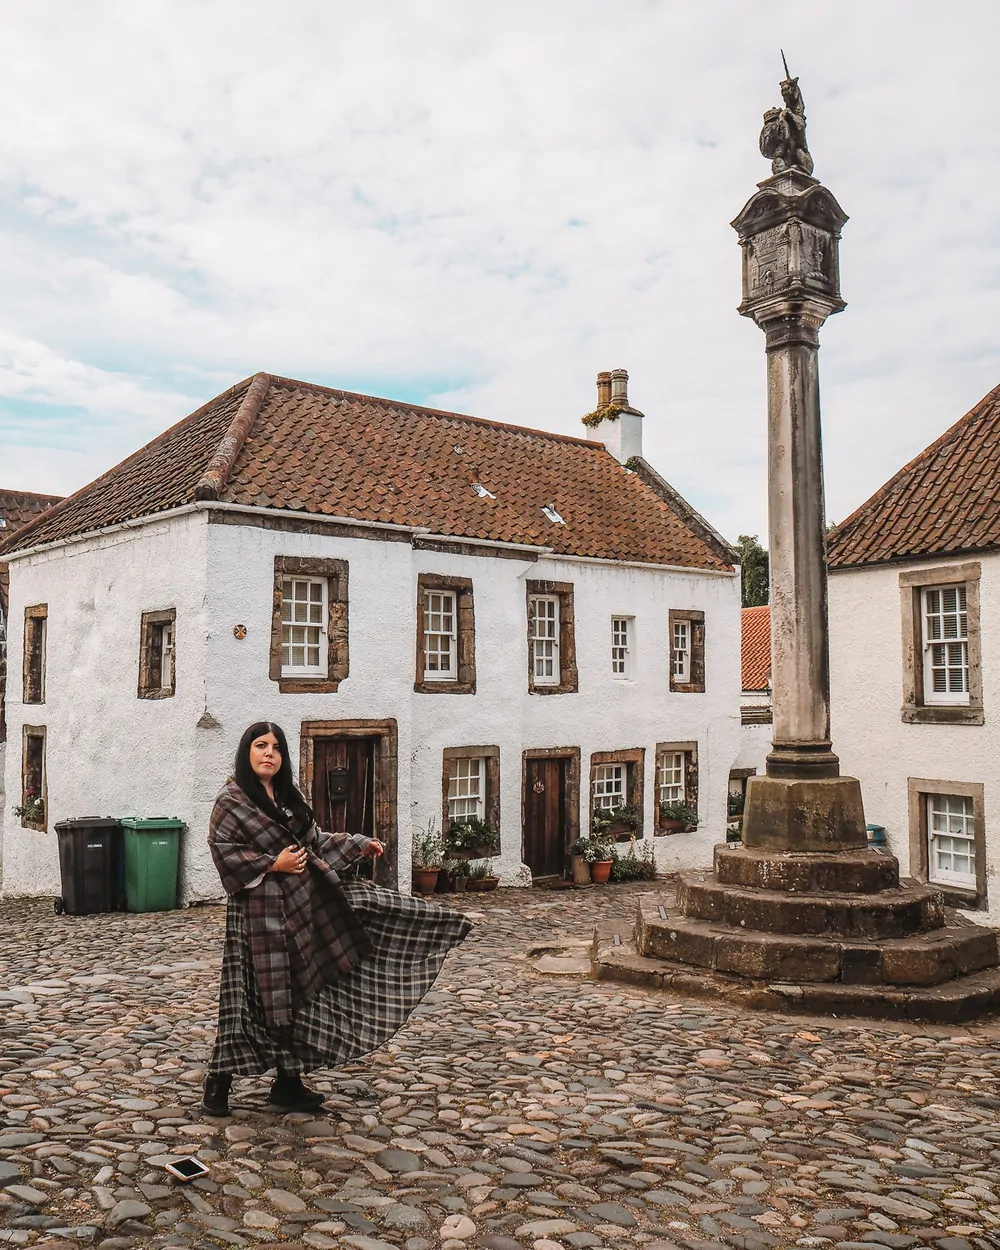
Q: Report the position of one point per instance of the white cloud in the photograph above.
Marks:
(505, 197)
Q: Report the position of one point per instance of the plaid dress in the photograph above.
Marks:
(315, 971)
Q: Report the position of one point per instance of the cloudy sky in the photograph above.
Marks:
(479, 206)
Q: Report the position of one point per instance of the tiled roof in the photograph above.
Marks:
(755, 650)
(276, 443)
(17, 508)
(945, 501)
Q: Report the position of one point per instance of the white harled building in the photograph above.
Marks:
(448, 616)
(915, 660)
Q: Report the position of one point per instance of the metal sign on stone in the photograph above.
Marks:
(804, 915)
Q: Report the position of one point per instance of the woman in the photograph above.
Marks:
(315, 971)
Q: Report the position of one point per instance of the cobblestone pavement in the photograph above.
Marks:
(515, 1110)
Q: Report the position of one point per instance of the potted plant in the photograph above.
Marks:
(481, 876)
(676, 816)
(628, 866)
(619, 823)
(32, 810)
(446, 877)
(427, 857)
(580, 853)
(472, 838)
(600, 865)
(461, 875)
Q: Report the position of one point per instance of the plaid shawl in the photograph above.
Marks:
(304, 934)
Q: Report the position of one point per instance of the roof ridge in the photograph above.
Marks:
(16, 540)
(979, 409)
(437, 412)
(213, 480)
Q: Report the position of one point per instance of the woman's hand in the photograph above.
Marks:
(292, 859)
(374, 849)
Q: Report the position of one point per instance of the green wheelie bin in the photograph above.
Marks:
(152, 849)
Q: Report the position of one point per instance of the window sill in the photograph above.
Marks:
(38, 825)
(308, 685)
(686, 687)
(156, 694)
(444, 687)
(966, 898)
(942, 714)
(553, 690)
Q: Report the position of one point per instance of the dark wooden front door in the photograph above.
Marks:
(344, 785)
(545, 824)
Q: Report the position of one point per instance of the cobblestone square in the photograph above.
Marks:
(516, 1109)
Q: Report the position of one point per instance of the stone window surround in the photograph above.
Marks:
(34, 731)
(385, 783)
(338, 658)
(690, 752)
(34, 643)
(634, 760)
(569, 678)
(697, 683)
(149, 623)
(572, 794)
(465, 612)
(491, 781)
(917, 790)
(911, 582)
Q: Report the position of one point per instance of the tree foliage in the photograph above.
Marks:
(755, 568)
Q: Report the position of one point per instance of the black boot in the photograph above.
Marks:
(288, 1093)
(215, 1100)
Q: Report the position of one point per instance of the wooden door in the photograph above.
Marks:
(545, 825)
(344, 785)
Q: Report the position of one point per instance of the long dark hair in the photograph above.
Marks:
(288, 797)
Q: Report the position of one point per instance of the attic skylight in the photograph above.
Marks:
(482, 492)
(550, 511)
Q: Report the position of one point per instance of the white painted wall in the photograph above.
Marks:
(874, 745)
(119, 754)
(107, 751)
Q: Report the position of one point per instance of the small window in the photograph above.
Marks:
(545, 640)
(32, 808)
(303, 627)
(680, 652)
(446, 635)
(687, 651)
(621, 650)
(466, 788)
(551, 620)
(309, 628)
(440, 636)
(157, 669)
(35, 632)
(946, 645)
(951, 840)
(609, 785)
(670, 787)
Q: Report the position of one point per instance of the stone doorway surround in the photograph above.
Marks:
(386, 780)
(570, 757)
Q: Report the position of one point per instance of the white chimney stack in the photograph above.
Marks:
(620, 425)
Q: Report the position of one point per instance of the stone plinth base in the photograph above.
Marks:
(811, 931)
(787, 814)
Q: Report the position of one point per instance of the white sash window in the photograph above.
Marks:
(466, 789)
(440, 636)
(545, 640)
(621, 656)
(946, 645)
(670, 777)
(680, 652)
(951, 842)
(303, 627)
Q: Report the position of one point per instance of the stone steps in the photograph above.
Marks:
(891, 913)
(924, 959)
(844, 872)
(965, 998)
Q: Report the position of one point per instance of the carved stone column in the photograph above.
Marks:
(789, 232)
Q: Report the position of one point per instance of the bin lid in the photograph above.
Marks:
(152, 822)
(89, 822)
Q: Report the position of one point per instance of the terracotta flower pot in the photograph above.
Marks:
(671, 826)
(425, 880)
(490, 883)
(445, 882)
(581, 870)
(600, 873)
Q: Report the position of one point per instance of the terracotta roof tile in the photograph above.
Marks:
(945, 501)
(315, 449)
(755, 650)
